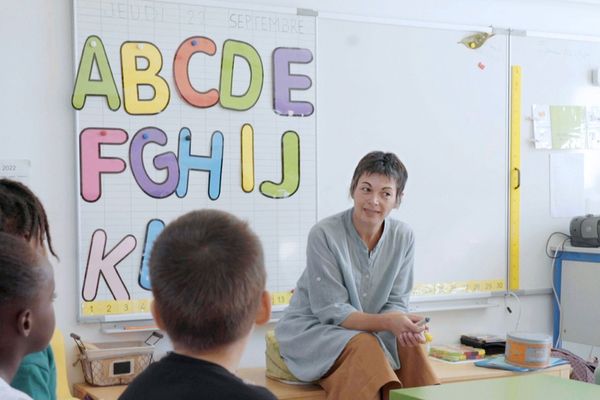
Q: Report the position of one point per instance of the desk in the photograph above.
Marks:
(448, 373)
(255, 376)
(87, 392)
(526, 387)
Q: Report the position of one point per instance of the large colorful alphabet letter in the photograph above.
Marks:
(231, 50)
(93, 50)
(284, 81)
(153, 229)
(100, 263)
(166, 161)
(135, 76)
(181, 64)
(213, 163)
(290, 169)
(92, 164)
(247, 150)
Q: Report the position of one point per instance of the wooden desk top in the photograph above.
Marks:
(282, 391)
(85, 391)
(524, 387)
(448, 373)
(255, 376)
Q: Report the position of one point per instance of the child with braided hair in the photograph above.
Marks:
(22, 214)
(26, 307)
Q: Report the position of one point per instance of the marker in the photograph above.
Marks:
(423, 321)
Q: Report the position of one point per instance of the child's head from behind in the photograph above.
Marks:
(22, 214)
(26, 296)
(208, 280)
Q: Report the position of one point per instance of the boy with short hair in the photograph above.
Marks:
(26, 309)
(208, 280)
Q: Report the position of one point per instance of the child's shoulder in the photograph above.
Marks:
(41, 359)
(182, 377)
(36, 374)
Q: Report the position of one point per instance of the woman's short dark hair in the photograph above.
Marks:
(378, 162)
(22, 213)
(20, 272)
(207, 273)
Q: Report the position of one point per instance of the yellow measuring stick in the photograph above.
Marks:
(515, 176)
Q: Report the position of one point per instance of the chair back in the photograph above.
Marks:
(57, 344)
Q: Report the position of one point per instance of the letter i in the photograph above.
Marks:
(247, 140)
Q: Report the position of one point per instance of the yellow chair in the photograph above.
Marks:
(60, 360)
(276, 368)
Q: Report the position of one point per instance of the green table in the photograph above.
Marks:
(526, 387)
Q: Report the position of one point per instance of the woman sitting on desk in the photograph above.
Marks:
(347, 325)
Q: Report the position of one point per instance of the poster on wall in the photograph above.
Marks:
(181, 107)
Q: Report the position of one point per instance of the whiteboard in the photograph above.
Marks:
(415, 91)
(256, 160)
(554, 72)
(442, 108)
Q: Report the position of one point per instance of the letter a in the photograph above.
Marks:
(93, 50)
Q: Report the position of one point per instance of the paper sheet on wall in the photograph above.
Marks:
(568, 127)
(566, 185)
(542, 130)
(593, 127)
(562, 127)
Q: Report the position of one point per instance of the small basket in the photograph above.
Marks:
(114, 363)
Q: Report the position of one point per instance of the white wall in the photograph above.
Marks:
(36, 78)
